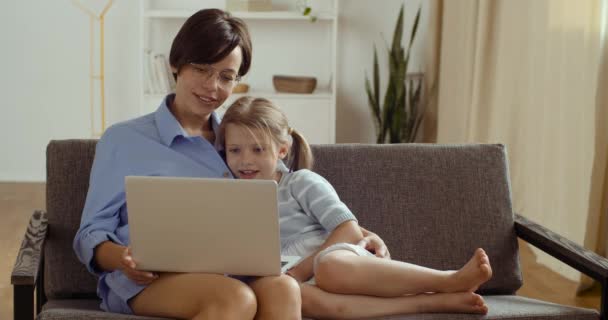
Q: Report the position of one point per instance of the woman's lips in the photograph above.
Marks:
(206, 99)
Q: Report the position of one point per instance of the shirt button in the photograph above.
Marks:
(226, 174)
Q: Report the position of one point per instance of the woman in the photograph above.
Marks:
(208, 56)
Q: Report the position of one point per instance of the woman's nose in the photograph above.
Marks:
(212, 82)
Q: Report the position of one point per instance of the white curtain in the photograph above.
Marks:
(533, 76)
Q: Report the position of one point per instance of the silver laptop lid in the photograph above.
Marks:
(222, 226)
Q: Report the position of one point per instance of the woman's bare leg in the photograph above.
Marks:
(344, 272)
(278, 298)
(317, 303)
(195, 296)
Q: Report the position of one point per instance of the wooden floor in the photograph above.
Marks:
(18, 200)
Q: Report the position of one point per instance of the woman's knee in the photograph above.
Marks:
(287, 287)
(283, 288)
(332, 270)
(189, 295)
(235, 301)
(232, 300)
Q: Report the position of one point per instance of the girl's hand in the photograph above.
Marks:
(137, 276)
(374, 244)
(298, 274)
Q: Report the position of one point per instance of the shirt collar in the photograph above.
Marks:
(168, 126)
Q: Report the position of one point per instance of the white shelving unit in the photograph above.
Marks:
(284, 43)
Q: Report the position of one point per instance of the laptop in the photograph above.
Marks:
(225, 226)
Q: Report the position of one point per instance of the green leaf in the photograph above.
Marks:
(373, 105)
(398, 33)
(306, 11)
(376, 78)
(414, 28)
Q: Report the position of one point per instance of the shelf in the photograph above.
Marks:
(245, 15)
(268, 95)
(314, 45)
(281, 95)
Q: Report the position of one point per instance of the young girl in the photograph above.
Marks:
(316, 225)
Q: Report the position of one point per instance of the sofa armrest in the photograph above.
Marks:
(29, 258)
(571, 253)
(27, 273)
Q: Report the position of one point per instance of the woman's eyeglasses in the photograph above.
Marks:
(227, 79)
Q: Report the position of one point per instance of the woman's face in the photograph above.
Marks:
(200, 89)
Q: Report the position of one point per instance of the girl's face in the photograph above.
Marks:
(200, 89)
(251, 154)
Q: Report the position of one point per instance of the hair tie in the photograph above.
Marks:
(290, 131)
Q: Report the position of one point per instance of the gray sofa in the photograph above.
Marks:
(432, 204)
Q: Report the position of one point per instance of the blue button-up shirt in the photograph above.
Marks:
(151, 145)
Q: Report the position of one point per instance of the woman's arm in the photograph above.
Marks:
(97, 243)
(110, 256)
(348, 232)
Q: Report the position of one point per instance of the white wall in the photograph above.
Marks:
(45, 62)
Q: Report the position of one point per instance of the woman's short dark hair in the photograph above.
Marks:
(207, 37)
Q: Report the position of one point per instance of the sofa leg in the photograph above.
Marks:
(604, 305)
(23, 304)
(40, 294)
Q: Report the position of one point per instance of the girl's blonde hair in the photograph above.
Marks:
(262, 114)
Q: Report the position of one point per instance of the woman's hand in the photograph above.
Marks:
(374, 244)
(127, 266)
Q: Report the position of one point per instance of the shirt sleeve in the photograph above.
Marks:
(105, 199)
(319, 199)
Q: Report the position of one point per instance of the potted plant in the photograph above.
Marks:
(399, 116)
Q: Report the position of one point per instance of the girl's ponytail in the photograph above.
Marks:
(300, 155)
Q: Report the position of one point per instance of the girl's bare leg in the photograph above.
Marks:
(278, 298)
(345, 272)
(320, 304)
(195, 296)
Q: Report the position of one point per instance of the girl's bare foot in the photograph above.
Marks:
(456, 302)
(473, 274)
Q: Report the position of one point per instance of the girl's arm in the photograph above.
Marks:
(348, 232)
(319, 200)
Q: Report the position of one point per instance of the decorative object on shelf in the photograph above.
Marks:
(306, 9)
(158, 77)
(99, 76)
(240, 88)
(249, 5)
(399, 118)
(294, 84)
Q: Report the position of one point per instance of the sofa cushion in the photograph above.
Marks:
(432, 204)
(81, 309)
(512, 308)
(501, 307)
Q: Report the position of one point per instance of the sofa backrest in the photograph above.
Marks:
(68, 167)
(432, 204)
